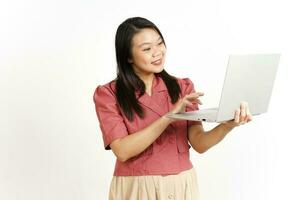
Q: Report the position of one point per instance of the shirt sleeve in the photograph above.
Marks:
(187, 88)
(109, 116)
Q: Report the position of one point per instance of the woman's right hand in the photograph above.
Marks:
(189, 99)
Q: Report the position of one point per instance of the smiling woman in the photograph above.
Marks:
(152, 151)
(140, 52)
(148, 55)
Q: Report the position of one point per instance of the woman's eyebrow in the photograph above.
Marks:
(145, 43)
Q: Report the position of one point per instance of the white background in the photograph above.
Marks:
(54, 53)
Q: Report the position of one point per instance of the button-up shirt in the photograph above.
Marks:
(169, 153)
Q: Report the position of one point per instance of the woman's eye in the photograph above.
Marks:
(160, 43)
(146, 49)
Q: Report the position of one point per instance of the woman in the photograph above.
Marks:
(152, 150)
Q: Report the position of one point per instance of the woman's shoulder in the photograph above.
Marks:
(105, 90)
(111, 86)
(184, 82)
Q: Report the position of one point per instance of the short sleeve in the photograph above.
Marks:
(110, 119)
(187, 88)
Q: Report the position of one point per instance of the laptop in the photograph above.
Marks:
(250, 78)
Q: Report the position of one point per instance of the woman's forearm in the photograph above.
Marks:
(137, 142)
(210, 138)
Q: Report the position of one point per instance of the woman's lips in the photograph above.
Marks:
(157, 62)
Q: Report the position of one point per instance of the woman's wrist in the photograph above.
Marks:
(227, 127)
(169, 120)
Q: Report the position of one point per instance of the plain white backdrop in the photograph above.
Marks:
(54, 53)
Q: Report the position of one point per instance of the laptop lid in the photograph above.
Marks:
(248, 78)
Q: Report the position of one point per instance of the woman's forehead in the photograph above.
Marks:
(145, 36)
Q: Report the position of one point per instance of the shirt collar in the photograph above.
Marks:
(158, 84)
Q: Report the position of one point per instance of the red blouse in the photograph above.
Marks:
(169, 154)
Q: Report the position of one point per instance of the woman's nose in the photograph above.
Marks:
(157, 52)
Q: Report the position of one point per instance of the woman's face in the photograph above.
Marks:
(148, 52)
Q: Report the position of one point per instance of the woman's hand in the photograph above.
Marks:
(189, 99)
(242, 116)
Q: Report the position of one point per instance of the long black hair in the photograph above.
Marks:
(127, 82)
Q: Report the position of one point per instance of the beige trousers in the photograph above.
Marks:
(182, 186)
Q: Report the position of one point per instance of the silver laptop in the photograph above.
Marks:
(248, 78)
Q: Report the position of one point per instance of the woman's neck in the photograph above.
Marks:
(148, 80)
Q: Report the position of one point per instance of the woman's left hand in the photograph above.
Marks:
(242, 116)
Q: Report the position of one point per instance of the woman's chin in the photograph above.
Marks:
(158, 69)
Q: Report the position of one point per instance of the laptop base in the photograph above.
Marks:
(207, 115)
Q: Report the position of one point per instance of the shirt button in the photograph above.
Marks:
(171, 196)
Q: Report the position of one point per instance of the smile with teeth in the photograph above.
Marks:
(157, 62)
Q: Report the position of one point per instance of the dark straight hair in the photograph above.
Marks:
(127, 82)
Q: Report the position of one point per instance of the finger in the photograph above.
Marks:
(196, 101)
(237, 116)
(194, 95)
(243, 112)
(199, 93)
(249, 116)
(187, 102)
(193, 99)
(199, 102)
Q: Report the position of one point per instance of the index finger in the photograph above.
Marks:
(195, 94)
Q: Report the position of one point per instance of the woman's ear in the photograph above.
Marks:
(129, 60)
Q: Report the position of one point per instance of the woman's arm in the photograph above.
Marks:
(201, 141)
(135, 143)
